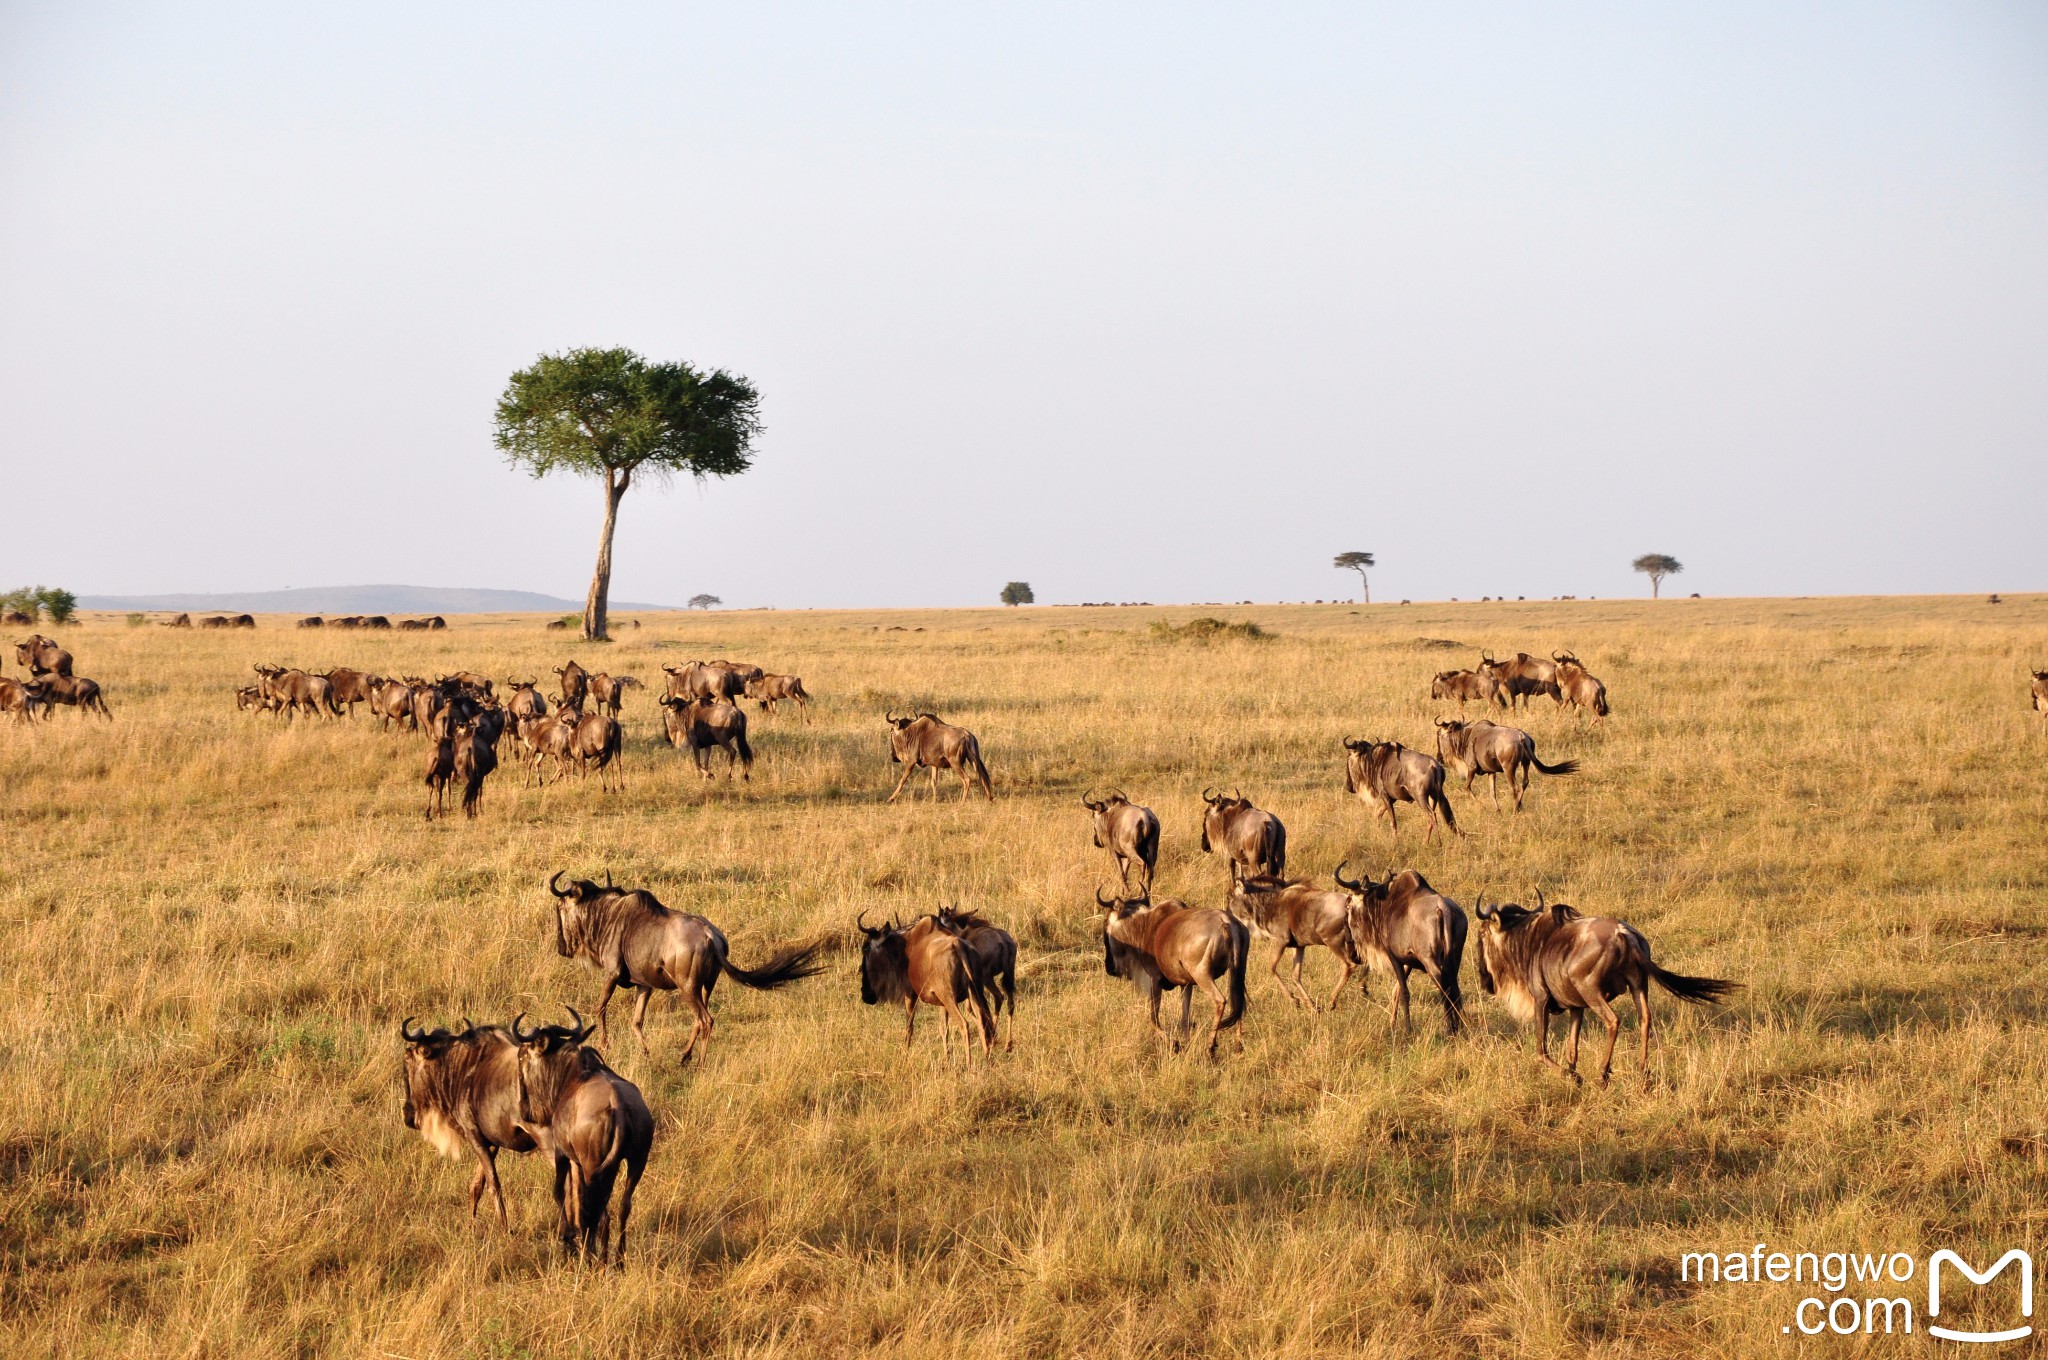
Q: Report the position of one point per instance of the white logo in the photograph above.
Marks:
(2026, 1264)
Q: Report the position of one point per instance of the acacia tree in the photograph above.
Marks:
(1358, 562)
(610, 414)
(704, 601)
(1017, 592)
(1657, 566)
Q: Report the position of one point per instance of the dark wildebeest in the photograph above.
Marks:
(1489, 748)
(296, 692)
(1163, 945)
(558, 625)
(1579, 687)
(1521, 677)
(704, 679)
(376, 621)
(242, 621)
(1464, 685)
(2041, 692)
(412, 625)
(476, 755)
(1553, 959)
(1127, 831)
(73, 691)
(312, 621)
(1402, 925)
(462, 1091)
(599, 740)
(590, 1121)
(994, 953)
(216, 621)
(770, 690)
(1295, 914)
(924, 742)
(15, 618)
(574, 683)
(1253, 841)
(608, 692)
(42, 656)
(925, 963)
(15, 699)
(633, 941)
(1386, 772)
(350, 687)
(436, 621)
(440, 766)
(703, 724)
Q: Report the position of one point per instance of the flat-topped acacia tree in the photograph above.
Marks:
(609, 413)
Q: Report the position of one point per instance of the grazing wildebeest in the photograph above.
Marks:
(925, 963)
(435, 621)
(181, 621)
(2041, 692)
(590, 1121)
(1521, 677)
(770, 690)
(412, 625)
(42, 656)
(15, 699)
(349, 687)
(1579, 687)
(599, 740)
(558, 625)
(216, 621)
(993, 952)
(924, 742)
(1402, 925)
(1127, 831)
(609, 691)
(1163, 945)
(312, 621)
(1386, 772)
(703, 724)
(73, 691)
(633, 941)
(440, 766)
(347, 621)
(462, 1091)
(296, 692)
(1295, 914)
(1253, 841)
(476, 755)
(574, 683)
(242, 621)
(376, 621)
(1553, 959)
(704, 679)
(1465, 685)
(1488, 748)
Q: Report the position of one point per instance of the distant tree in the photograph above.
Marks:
(60, 605)
(610, 413)
(1018, 592)
(1358, 562)
(705, 601)
(1657, 566)
(26, 600)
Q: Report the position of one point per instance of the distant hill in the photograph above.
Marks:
(358, 600)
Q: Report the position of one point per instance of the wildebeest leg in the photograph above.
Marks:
(1301, 953)
(490, 1172)
(908, 770)
(604, 1002)
(909, 1019)
(565, 1217)
(1613, 1023)
(933, 770)
(646, 994)
(1280, 953)
(1187, 1020)
(1153, 993)
(1642, 994)
(700, 1006)
(1571, 1048)
(1344, 967)
(1493, 784)
(633, 1170)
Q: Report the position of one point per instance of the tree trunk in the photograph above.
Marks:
(1656, 585)
(1364, 588)
(597, 604)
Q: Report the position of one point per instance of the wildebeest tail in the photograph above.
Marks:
(1240, 955)
(1600, 703)
(1443, 805)
(746, 751)
(1562, 766)
(1697, 989)
(973, 753)
(785, 966)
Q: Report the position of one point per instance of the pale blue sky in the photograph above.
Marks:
(1166, 303)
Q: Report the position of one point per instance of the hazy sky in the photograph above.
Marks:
(1167, 303)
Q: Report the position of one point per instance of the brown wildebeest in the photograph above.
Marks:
(747, 672)
(993, 951)
(770, 690)
(312, 621)
(462, 1091)
(599, 740)
(250, 697)
(472, 684)
(42, 656)
(1253, 841)
(704, 679)
(296, 692)
(476, 755)
(526, 701)
(633, 941)
(1488, 748)
(609, 691)
(1295, 914)
(346, 621)
(925, 963)
(1402, 925)
(73, 691)
(2041, 692)
(14, 618)
(1522, 677)
(591, 1122)
(558, 625)
(413, 625)
(1579, 687)
(440, 767)
(216, 621)
(434, 621)
(15, 699)
(242, 621)
(573, 684)
(1465, 685)
(181, 621)
(552, 735)
(924, 742)
(349, 687)
(1553, 959)
(1127, 831)
(1163, 945)
(703, 724)
(1386, 772)
(391, 701)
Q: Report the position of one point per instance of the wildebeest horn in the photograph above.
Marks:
(519, 1031)
(1353, 744)
(1555, 657)
(411, 1032)
(1539, 901)
(580, 1028)
(1479, 906)
(1104, 902)
(1209, 795)
(1342, 882)
(1088, 802)
(559, 892)
(1117, 795)
(860, 922)
(608, 878)
(889, 715)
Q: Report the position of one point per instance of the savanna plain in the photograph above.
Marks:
(211, 925)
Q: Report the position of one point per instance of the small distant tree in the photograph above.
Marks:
(23, 601)
(705, 602)
(1018, 592)
(1657, 566)
(1358, 562)
(60, 605)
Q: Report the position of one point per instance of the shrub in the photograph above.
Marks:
(1208, 630)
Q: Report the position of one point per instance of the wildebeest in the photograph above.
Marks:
(1488, 748)
(608, 692)
(216, 621)
(434, 621)
(312, 621)
(599, 740)
(296, 692)
(1386, 772)
(1522, 676)
(1163, 945)
(242, 621)
(413, 625)
(633, 941)
(391, 701)
(591, 1122)
(1295, 914)
(574, 683)
(924, 742)
(770, 690)
(252, 697)
(993, 951)
(73, 691)
(376, 621)
(347, 621)
(181, 621)
(476, 755)
(1482, 685)
(15, 618)
(558, 625)
(703, 724)
(1126, 830)
(924, 963)
(746, 671)
(462, 1091)
(1401, 925)
(42, 656)
(553, 735)
(1252, 840)
(1578, 687)
(526, 701)
(704, 679)
(1553, 959)
(15, 699)
(2041, 692)
(440, 767)
(349, 687)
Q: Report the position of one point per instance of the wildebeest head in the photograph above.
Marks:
(1104, 808)
(425, 1070)
(1116, 909)
(548, 1055)
(1220, 806)
(884, 961)
(899, 737)
(1504, 936)
(574, 907)
(1362, 890)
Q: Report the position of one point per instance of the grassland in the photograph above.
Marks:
(210, 926)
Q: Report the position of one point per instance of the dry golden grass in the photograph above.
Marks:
(211, 925)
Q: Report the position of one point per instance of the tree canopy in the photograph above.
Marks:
(1358, 562)
(704, 601)
(1018, 592)
(1657, 566)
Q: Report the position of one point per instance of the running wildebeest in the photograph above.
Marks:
(1578, 687)
(42, 656)
(462, 1091)
(924, 963)
(770, 690)
(1384, 773)
(633, 941)
(1127, 831)
(574, 682)
(1553, 959)
(1401, 925)
(1465, 685)
(1489, 748)
(1522, 676)
(1295, 914)
(993, 952)
(72, 691)
(703, 724)
(924, 742)
(591, 1122)
(1252, 840)
(1160, 946)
